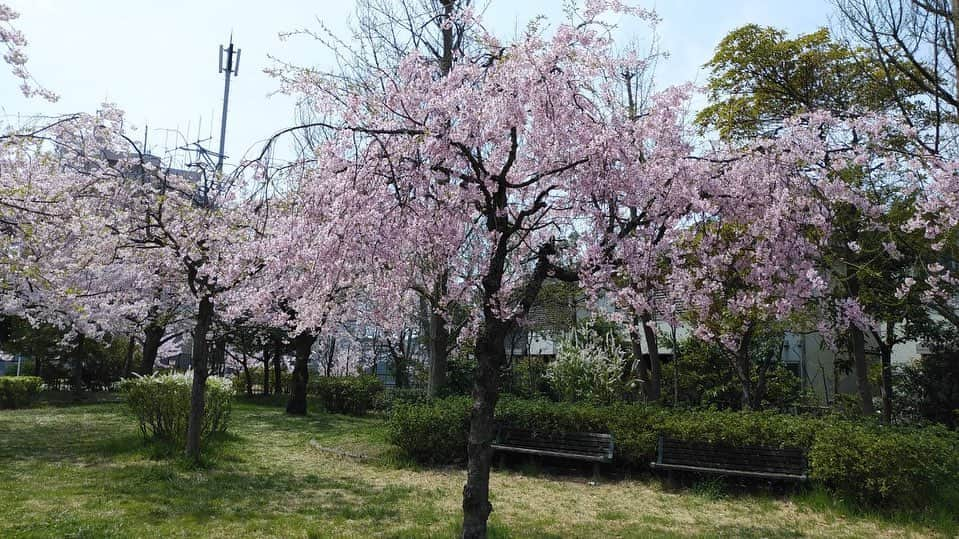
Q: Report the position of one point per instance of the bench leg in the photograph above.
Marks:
(501, 464)
(596, 472)
(671, 482)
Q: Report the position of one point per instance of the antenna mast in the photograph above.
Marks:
(230, 69)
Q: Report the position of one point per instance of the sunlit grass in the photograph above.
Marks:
(84, 471)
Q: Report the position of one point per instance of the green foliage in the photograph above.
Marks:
(906, 468)
(929, 389)
(18, 391)
(460, 369)
(45, 355)
(864, 463)
(759, 76)
(346, 394)
(590, 367)
(527, 377)
(256, 380)
(161, 404)
(389, 399)
(434, 432)
(704, 377)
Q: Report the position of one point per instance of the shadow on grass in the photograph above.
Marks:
(943, 516)
(115, 480)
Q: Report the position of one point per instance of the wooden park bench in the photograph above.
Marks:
(746, 461)
(586, 446)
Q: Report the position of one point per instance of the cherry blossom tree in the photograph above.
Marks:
(384, 34)
(515, 140)
(14, 42)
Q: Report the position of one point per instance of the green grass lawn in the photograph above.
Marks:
(84, 471)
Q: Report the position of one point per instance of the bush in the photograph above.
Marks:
(18, 391)
(347, 394)
(929, 389)
(434, 432)
(589, 366)
(387, 400)
(703, 376)
(161, 403)
(860, 462)
(901, 467)
(636, 427)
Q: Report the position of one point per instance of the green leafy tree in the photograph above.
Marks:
(759, 78)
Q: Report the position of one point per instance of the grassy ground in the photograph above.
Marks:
(83, 471)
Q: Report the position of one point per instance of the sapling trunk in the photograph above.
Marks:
(204, 320)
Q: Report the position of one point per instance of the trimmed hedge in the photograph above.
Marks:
(862, 462)
(391, 398)
(18, 391)
(901, 467)
(434, 432)
(353, 395)
(161, 404)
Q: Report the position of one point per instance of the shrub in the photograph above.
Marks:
(387, 400)
(347, 394)
(589, 366)
(902, 467)
(459, 370)
(161, 403)
(434, 432)
(861, 462)
(18, 391)
(929, 389)
(703, 376)
(636, 427)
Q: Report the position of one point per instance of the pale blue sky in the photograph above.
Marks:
(157, 59)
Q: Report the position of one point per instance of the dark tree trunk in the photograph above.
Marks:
(631, 368)
(862, 369)
(742, 366)
(204, 319)
(278, 366)
(439, 353)
(302, 347)
(266, 370)
(219, 356)
(330, 353)
(652, 390)
(885, 356)
(490, 355)
(490, 358)
(128, 357)
(246, 375)
(640, 360)
(152, 338)
(399, 355)
(745, 379)
(860, 364)
(76, 365)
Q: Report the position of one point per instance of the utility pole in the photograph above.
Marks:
(230, 69)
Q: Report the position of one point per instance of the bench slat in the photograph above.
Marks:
(675, 445)
(552, 443)
(561, 454)
(799, 477)
(588, 446)
(733, 460)
(749, 461)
